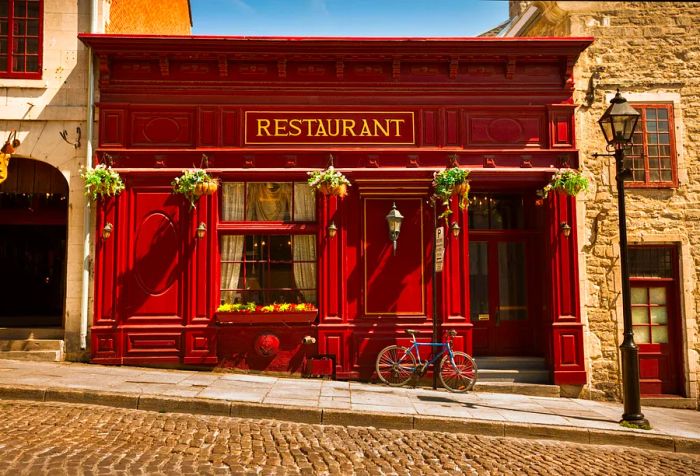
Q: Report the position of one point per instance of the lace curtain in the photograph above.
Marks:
(304, 248)
(269, 201)
(231, 245)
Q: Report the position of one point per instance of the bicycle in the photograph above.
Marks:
(396, 365)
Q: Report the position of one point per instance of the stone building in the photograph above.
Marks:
(650, 52)
(45, 74)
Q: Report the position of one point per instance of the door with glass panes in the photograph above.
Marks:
(502, 266)
(655, 318)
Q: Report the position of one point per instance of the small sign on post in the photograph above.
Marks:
(439, 248)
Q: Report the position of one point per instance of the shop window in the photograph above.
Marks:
(268, 243)
(652, 157)
(20, 38)
(494, 212)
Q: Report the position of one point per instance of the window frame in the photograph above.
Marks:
(642, 107)
(251, 228)
(10, 37)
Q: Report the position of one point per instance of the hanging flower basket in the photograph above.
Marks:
(329, 182)
(194, 183)
(568, 181)
(449, 183)
(101, 181)
(249, 313)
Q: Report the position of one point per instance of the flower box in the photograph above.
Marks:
(303, 317)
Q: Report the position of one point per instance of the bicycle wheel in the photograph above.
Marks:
(395, 365)
(459, 377)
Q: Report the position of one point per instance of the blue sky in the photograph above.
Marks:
(346, 17)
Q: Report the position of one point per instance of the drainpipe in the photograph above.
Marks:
(87, 212)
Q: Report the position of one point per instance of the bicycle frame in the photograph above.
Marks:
(415, 350)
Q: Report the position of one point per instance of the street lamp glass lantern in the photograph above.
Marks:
(393, 220)
(619, 121)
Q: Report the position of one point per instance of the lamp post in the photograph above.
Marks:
(618, 124)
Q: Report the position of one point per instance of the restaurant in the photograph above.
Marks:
(264, 272)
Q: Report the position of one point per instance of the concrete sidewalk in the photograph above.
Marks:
(346, 403)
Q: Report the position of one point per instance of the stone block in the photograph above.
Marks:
(20, 392)
(377, 420)
(110, 399)
(458, 425)
(547, 432)
(276, 412)
(687, 445)
(184, 405)
(632, 439)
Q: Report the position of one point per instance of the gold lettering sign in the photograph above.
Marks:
(323, 127)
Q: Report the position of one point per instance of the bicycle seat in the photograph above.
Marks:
(411, 332)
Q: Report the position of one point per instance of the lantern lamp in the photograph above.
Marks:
(393, 220)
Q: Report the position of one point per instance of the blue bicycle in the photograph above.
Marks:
(396, 365)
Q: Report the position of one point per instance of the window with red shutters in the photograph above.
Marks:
(20, 38)
(652, 157)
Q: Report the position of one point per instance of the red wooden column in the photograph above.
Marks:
(455, 279)
(104, 335)
(567, 330)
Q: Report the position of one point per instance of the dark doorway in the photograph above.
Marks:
(33, 217)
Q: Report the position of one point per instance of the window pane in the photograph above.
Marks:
(4, 8)
(304, 202)
(650, 262)
(18, 46)
(663, 126)
(33, 28)
(20, 8)
(32, 63)
(659, 334)
(18, 64)
(3, 63)
(280, 248)
(652, 139)
(653, 162)
(651, 126)
(651, 113)
(639, 315)
(32, 45)
(657, 295)
(231, 249)
(662, 113)
(268, 201)
(641, 334)
(663, 139)
(666, 176)
(3, 46)
(511, 282)
(33, 9)
(3, 28)
(659, 315)
(478, 280)
(639, 295)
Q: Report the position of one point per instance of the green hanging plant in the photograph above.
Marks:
(329, 182)
(193, 183)
(101, 181)
(569, 181)
(448, 183)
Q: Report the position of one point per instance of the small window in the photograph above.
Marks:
(652, 157)
(494, 212)
(20, 38)
(267, 243)
(650, 262)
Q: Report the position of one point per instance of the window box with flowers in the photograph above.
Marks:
(250, 313)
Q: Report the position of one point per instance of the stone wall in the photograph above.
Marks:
(651, 52)
(156, 17)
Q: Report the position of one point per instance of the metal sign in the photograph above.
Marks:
(439, 248)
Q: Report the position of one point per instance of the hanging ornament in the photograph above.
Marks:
(6, 152)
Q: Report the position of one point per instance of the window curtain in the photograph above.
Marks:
(305, 273)
(269, 201)
(231, 245)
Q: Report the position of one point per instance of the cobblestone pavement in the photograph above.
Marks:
(58, 438)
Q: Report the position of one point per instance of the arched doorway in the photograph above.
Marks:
(33, 233)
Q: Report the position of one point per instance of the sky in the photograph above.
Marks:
(396, 18)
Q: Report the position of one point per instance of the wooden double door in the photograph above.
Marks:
(505, 284)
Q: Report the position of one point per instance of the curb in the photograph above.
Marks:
(326, 416)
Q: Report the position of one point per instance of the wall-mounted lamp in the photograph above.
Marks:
(394, 219)
(455, 229)
(332, 230)
(107, 230)
(201, 230)
(565, 229)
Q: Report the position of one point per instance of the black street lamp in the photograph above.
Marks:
(618, 124)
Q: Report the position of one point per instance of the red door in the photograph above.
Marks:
(500, 299)
(653, 319)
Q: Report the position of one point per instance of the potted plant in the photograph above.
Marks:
(101, 181)
(329, 182)
(193, 183)
(250, 313)
(569, 181)
(448, 183)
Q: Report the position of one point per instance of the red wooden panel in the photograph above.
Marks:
(112, 128)
(394, 285)
(200, 262)
(429, 128)
(105, 345)
(200, 346)
(561, 126)
(162, 128)
(208, 127)
(156, 343)
(105, 263)
(569, 356)
(505, 129)
(236, 346)
(452, 128)
(153, 281)
(568, 362)
(229, 128)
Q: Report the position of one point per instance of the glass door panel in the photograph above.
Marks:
(512, 293)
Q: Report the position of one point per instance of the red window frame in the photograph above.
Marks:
(647, 158)
(15, 35)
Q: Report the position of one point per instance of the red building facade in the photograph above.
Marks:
(259, 114)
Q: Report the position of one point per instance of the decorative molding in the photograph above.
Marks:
(396, 69)
(454, 68)
(282, 68)
(223, 66)
(339, 69)
(164, 65)
(510, 67)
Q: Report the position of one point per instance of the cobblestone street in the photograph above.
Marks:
(57, 438)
